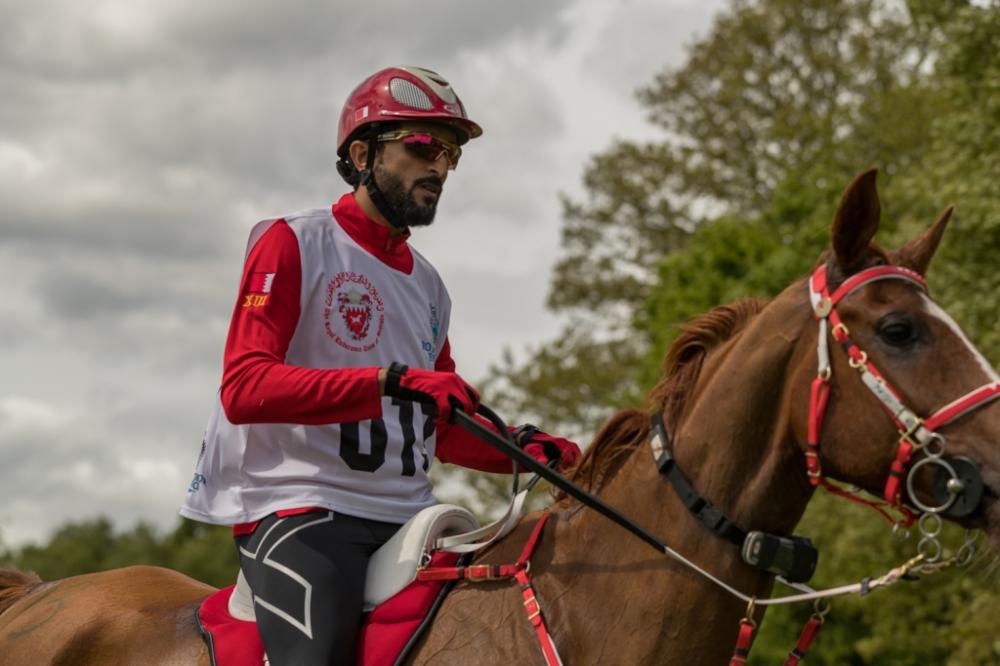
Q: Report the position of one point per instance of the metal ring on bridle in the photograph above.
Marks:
(860, 362)
(931, 460)
(820, 609)
(748, 618)
(930, 524)
(938, 450)
(930, 549)
(968, 549)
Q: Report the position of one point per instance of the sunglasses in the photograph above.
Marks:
(425, 146)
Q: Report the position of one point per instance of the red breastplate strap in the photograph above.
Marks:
(809, 633)
(518, 571)
(914, 432)
(743, 641)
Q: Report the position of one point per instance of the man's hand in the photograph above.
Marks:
(445, 391)
(545, 448)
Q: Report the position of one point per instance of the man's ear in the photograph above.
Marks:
(358, 153)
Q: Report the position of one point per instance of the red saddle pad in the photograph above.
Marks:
(385, 632)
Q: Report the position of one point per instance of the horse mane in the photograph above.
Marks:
(682, 364)
(15, 584)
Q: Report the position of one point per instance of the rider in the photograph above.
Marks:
(338, 379)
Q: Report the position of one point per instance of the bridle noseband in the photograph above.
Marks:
(958, 486)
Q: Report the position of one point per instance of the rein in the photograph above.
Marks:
(806, 593)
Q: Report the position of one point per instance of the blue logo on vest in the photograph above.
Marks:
(197, 482)
(435, 324)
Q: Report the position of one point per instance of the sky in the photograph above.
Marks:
(141, 140)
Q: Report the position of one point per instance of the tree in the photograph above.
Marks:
(201, 551)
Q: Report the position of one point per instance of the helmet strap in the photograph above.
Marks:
(367, 181)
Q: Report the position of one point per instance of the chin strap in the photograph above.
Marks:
(367, 181)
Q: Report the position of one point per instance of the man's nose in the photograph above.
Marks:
(439, 167)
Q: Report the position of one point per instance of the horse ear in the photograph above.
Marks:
(917, 254)
(856, 221)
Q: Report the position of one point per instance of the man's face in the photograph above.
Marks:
(413, 185)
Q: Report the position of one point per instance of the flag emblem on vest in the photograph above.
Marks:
(354, 314)
(258, 290)
(260, 283)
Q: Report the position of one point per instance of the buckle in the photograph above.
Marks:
(530, 599)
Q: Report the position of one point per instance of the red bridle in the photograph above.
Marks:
(914, 433)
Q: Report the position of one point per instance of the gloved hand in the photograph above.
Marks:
(445, 391)
(545, 448)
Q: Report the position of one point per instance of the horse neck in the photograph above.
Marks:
(734, 443)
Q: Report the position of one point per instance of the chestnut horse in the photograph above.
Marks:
(736, 395)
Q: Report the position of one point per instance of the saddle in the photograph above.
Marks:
(397, 604)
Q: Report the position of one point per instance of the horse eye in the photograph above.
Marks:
(898, 333)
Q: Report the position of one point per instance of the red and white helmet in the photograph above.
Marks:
(403, 93)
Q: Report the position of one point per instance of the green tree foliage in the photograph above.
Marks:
(961, 165)
(774, 110)
(201, 551)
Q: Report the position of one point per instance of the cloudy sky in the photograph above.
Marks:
(140, 141)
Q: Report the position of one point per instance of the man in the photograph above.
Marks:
(338, 379)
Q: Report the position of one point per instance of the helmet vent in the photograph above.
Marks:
(410, 95)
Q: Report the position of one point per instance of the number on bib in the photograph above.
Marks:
(350, 440)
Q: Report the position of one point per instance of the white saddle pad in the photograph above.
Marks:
(394, 565)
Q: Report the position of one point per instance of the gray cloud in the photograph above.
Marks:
(639, 38)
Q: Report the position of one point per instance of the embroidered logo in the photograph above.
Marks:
(356, 309)
(258, 290)
(354, 315)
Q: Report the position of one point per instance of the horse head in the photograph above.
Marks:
(917, 429)
(853, 375)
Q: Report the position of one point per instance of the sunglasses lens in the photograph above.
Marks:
(427, 147)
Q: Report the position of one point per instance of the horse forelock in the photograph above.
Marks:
(15, 584)
(629, 428)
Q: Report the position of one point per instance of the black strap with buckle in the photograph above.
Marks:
(793, 558)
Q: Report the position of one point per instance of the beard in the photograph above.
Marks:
(410, 211)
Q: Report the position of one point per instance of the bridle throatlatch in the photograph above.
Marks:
(958, 486)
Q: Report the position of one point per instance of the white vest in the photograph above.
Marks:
(356, 312)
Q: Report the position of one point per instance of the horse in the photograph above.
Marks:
(738, 395)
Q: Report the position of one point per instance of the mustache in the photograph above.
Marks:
(434, 181)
